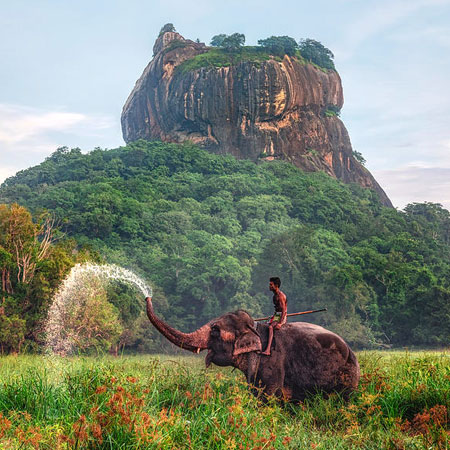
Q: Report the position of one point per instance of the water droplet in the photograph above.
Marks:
(76, 285)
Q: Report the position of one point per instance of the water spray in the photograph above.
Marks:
(76, 285)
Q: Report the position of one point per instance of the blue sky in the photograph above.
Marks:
(68, 67)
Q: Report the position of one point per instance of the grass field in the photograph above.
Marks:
(173, 402)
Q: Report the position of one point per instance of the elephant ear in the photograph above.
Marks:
(247, 342)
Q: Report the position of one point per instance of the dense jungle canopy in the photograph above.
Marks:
(207, 231)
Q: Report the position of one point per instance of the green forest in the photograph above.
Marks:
(207, 231)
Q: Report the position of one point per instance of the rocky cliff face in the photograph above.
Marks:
(270, 110)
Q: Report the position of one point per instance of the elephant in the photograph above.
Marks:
(305, 358)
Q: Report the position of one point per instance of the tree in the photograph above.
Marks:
(32, 266)
(92, 323)
(429, 220)
(217, 40)
(12, 333)
(230, 43)
(315, 52)
(22, 244)
(167, 28)
(359, 157)
(279, 45)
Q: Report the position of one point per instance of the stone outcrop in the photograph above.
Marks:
(270, 110)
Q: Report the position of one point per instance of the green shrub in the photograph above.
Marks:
(218, 57)
(332, 111)
(359, 157)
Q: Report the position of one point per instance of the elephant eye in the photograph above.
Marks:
(215, 331)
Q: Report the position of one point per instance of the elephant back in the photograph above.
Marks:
(312, 358)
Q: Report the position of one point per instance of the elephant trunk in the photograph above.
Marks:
(195, 341)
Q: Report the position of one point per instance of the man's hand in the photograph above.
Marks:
(277, 326)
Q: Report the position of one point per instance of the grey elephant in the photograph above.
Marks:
(305, 358)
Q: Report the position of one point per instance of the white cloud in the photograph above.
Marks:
(6, 172)
(397, 112)
(18, 124)
(416, 184)
(28, 135)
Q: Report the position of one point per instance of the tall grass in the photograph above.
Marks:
(173, 402)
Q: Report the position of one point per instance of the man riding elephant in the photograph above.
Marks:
(305, 359)
(279, 318)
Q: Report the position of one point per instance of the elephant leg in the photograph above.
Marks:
(253, 363)
(253, 366)
(272, 379)
(281, 393)
(266, 378)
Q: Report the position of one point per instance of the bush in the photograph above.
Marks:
(359, 157)
(92, 323)
(332, 111)
(218, 57)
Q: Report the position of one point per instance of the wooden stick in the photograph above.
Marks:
(294, 314)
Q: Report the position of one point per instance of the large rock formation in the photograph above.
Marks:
(268, 110)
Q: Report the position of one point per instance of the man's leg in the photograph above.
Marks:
(269, 343)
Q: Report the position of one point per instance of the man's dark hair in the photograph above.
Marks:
(276, 281)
